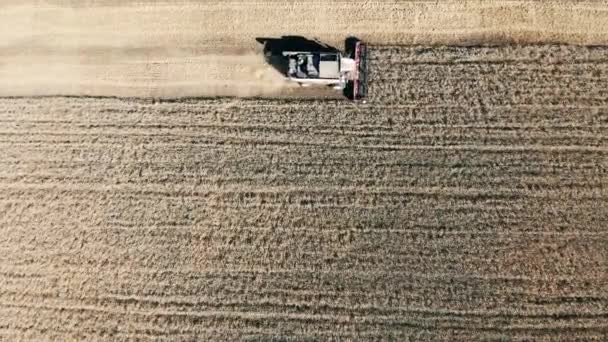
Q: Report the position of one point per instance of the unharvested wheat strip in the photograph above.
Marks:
(363, 131)
(20, 330)
(437, 316)
(255, 191)
(100, 128)
(224, 198)
(181, 313)
(287, 286)
(150, 272)
(319, 302)
(330, 231)
(213, 273)
(383, 320)
(238, 141)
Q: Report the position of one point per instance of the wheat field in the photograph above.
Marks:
(193, 48)
(467, 200)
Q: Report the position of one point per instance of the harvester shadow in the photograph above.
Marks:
(274, 48)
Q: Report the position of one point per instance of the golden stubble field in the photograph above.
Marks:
(467, 200)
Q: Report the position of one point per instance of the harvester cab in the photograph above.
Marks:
(310, 62)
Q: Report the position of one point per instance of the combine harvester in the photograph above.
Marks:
(311, 62)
